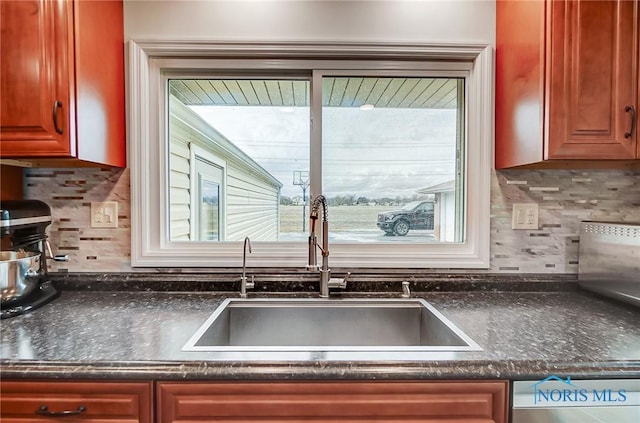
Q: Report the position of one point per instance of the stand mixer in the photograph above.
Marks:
(23, 226)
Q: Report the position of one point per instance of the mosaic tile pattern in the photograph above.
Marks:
(565, 198)
(70, 192)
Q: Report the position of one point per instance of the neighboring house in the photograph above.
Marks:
(444, 221)
(217, 192)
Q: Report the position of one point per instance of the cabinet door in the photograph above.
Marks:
(89, 401)
(451, 402)
(35, 77)
(593, 77)
(99, 82)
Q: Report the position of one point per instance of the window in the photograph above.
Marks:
(384, 141)
(400, 149)
(208, 217)
(259, 128)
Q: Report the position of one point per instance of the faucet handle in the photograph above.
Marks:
(337, 283)
(406, 291)
(250, 285)
(244, 285)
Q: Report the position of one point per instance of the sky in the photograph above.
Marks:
(376, 153)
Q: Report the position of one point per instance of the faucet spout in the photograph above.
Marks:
(316, 203)
(243, 280)
(326, 281)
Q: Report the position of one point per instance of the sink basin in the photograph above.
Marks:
(328, 325)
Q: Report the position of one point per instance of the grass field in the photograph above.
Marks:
(341, 218)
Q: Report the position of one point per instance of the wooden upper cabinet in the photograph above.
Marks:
(566, 81)
(593, 77)
(35, 75)
(62, 79)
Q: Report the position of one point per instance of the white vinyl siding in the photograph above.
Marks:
(252, 207)
(180, 210)
(251, 194)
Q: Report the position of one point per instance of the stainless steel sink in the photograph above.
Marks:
(328, 325)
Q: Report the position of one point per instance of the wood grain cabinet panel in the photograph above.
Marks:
(451, 402)
(11, 184)
(62, 79)
(567, 76)
(593, 77)
(35, 75)
(102, 401)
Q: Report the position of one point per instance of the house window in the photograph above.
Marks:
(208, 187)
(400, 149)
(384, 141)
(260, 128)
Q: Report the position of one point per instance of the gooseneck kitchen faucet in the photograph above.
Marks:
(326, 281)
(243, 280)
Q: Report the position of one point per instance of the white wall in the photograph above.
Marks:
(423, 21)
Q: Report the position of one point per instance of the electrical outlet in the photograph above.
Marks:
(525, 216)
(104, 214)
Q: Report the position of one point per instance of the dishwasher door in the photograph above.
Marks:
(557, 400)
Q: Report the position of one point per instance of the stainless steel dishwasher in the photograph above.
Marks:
(557, 400)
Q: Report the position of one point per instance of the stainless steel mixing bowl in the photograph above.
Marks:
(19, 275)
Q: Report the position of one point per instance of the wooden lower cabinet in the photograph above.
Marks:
(90, 401)
(319, 401)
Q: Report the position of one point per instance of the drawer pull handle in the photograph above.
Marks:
(632, 110)
(56, 106)
(44, 411)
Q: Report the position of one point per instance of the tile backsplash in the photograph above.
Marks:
(564, 197)
(70, 192)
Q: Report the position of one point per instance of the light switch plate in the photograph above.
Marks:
(104, 214)
(525, 216)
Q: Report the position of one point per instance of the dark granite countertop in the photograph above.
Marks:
(139, 335)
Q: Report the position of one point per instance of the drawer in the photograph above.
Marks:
(78, 400)
(326, 401)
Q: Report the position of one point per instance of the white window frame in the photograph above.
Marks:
(148, 150)
(196, 184)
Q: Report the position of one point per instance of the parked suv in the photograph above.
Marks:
(415, 215)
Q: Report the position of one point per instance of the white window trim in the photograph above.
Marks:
(197, 151)
(148, 155)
